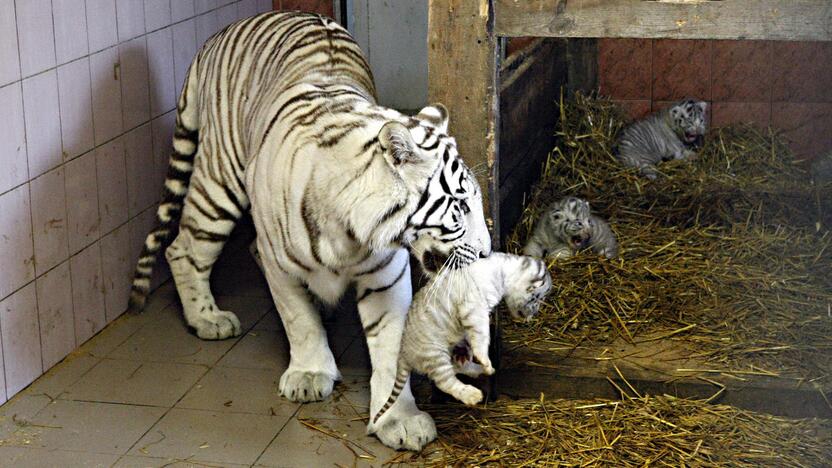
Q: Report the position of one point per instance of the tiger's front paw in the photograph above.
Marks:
(470, 395)
(306, 386)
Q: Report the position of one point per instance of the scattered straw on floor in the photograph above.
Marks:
(729, 254)
(645, 431)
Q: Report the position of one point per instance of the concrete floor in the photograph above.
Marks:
(146, 393)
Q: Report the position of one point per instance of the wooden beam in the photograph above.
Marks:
(784, 20)
(462, 75)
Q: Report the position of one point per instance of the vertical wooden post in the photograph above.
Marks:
(462, 75)
(463, 62)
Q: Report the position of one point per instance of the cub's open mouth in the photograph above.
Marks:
(578, 241)
(691, 137)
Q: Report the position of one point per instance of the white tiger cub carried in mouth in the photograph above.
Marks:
(673, 133)
(568, 226)
(454, 310)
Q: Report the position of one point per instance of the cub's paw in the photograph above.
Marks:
(469, 395)
(216, 324)
(409, 431)
(487, 369)
(305, 386)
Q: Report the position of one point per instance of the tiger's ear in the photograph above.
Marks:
(436, 115)
(398, 144)
(702, 106)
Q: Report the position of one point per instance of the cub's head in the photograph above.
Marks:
(446, 226)
(689, 120)
(570, 221)
(527, 283)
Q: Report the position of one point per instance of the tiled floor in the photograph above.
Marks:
(147, 393)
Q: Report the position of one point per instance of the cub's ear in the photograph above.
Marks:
(676, 111)
(436, 115)
(702, 106)
(398, 144)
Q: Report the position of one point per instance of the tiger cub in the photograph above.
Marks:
(568, 226)
(450, 313)
(673, 133)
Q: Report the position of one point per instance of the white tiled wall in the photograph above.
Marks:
(87, 92)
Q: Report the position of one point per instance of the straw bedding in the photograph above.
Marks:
(637, 431)
(727, 254)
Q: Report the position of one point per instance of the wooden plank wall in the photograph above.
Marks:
(530, 83)
(787, 20)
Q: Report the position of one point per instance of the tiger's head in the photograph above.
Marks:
(446, 227)
(527, 283)
(688, 119)
(570, 221)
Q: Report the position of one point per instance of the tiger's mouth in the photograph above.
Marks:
(579, 241)
(432, 260)
(461, 256)
(691, 137)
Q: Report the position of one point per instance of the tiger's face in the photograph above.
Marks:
(528, 283)
(571, 222)
(689, 121)
(447, 227)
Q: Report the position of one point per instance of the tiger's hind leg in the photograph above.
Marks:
(208, 217)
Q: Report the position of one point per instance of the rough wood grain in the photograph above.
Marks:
(653, 367)
(787, 20)
(462, 75)
(530, 81)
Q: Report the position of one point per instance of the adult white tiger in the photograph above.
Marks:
(278, 114)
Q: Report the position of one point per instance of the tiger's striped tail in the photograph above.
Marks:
(180, 168)
(402, 375)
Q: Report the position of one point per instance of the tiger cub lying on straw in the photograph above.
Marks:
(454, 310)
(672, 133)
(568, 226)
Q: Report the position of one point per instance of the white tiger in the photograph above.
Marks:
(278, 115)
(567, 226)
(448, 313)
(672, 133)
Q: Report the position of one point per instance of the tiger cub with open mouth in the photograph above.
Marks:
(674, 133)
(568, 226)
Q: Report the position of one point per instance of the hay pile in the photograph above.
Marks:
(729, 254)
(637, 431)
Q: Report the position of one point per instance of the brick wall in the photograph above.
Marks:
(323, 7)
(787, 85)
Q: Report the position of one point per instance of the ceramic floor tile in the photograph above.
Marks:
(269, 322)
(25, 457)
(64, 374)
(262, 349)
(92, 427)
(210, 436)
(356, 359)
(135, 383)
(233, 390)
(132, 461)
(18, 410)
(350, 401)
(249, 309)
(167, 339)
(299, 445)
